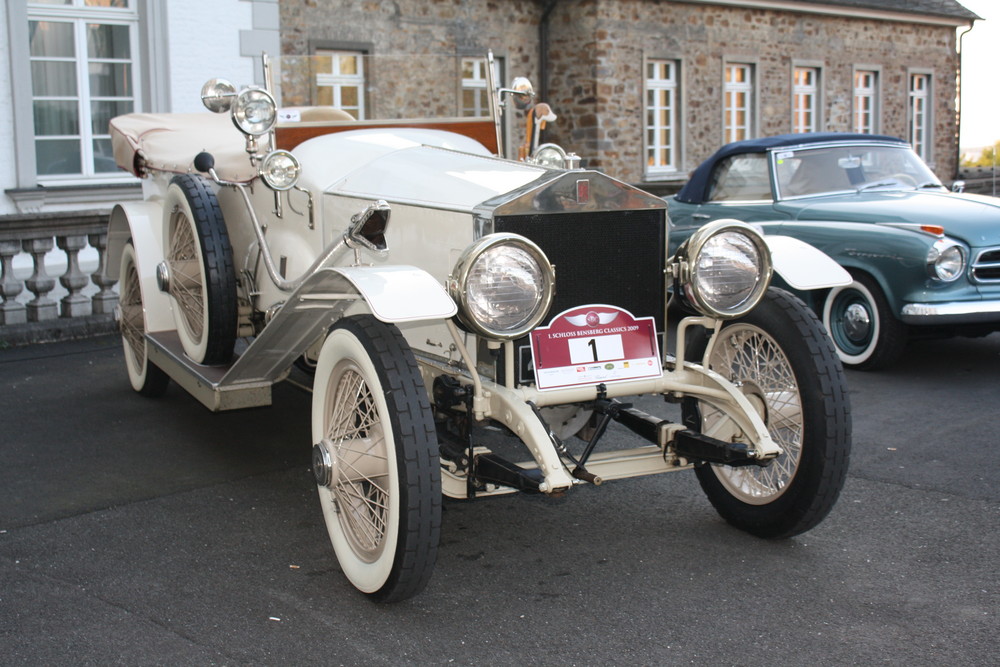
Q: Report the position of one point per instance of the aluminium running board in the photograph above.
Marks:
(310, 310)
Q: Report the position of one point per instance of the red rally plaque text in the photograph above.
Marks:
(594, 344)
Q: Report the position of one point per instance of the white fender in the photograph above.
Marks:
(805, 267)
(400, 293)
(141, 222)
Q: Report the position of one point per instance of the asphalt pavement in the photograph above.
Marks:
(153, 532)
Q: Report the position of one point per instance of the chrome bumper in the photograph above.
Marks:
(965, 312)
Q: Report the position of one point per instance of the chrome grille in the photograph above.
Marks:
(986, 267)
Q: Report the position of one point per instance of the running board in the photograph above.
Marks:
(316, 304)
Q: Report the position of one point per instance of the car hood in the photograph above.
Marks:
(974, 219)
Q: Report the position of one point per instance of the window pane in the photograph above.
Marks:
(52, 2)
(108, 41)
(104, 158)
(118, 4)
(348, 65)
(103, 111)
(53, 118)
(349, 96)
(110, 80)
(50, 39)
(53, 79)
(59, 156)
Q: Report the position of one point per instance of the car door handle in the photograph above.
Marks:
(700, 216)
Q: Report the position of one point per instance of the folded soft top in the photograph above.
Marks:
(169, 141)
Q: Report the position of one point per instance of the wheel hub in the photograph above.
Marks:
(857, 322)
(324, 464)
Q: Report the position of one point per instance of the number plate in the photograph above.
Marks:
(594, 344)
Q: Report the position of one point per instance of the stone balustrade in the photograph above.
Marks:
(42, 306)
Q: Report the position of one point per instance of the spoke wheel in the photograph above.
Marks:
(864, 331)
(375, 461)
(202, 277)
(783, 361)
(146, 377)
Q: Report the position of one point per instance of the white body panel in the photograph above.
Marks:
(803, 266)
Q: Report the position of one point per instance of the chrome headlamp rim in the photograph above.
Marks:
(242, 103)
(687, 257)
(459, 278)
(937, 252)
(268, 166)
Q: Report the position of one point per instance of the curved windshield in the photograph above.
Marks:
(809, 172)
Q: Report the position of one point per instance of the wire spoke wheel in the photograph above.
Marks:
(361, 490)
(783, 361)
(146, 378)
(750, 358)
(375, 459)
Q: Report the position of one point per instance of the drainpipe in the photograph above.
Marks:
(958, 114)
(543, 50)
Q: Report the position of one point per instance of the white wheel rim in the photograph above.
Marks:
(750, 357)
(832, 327)
(361, 505)
(132, 320)
(188, 291)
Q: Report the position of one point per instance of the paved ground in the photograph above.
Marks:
(154, 532)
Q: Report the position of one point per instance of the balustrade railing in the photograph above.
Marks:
(37, 293)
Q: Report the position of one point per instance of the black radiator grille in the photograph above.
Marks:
(612, 257)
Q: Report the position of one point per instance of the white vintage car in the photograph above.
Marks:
(439, 293)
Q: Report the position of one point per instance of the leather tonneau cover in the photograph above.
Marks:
(169, 141)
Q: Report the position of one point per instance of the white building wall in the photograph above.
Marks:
(8, 178)
(204, 42)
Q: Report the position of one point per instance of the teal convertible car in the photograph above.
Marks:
(925, 261)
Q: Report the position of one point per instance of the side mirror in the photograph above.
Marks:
(521, 93)
(958, 186)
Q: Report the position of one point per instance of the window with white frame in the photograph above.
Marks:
(738, 101)
(805, 99)
(866, 101)
(919, 114)
(662, 131)
(83, 57)
(340, 81)
(475, 100)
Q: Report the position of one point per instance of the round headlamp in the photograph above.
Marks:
(503, 284)
(254, 111)
(550, 155)
(726, 268)
(280, 170)
(945, 260)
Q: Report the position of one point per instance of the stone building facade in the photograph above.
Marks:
(646, 89)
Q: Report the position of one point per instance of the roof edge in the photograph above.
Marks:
(833, 9)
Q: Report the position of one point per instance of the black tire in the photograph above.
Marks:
(202, 274)
(864, 330)
(789, 368)
(146, 377)
(376, 459)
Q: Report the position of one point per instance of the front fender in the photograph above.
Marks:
(398, 294)
(804, 267)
